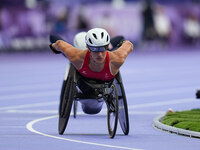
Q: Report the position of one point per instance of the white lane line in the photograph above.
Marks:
(51, 93)
(146, 112)
(32, 111)
(30, 105)
(103, 112)
(39, 86)
(48, 93)
(189, 82)
(154, 104)
(170, 102)
(17, 119)
(161, 92)
(8, 127)
(29, 126)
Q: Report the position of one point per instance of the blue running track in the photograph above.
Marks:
(30, 86)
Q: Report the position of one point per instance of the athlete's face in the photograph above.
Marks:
(98, 57)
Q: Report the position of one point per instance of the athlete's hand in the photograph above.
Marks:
(128, 44)
(53, 38)
(53, 49)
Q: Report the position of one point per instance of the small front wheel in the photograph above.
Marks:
(198, 94)
(112, 111)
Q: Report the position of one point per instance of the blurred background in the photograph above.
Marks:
(25, 25)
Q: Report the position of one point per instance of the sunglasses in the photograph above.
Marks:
(98, 49)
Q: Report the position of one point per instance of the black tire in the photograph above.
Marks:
(123, 112)
(66, 102)
(198, 94)
(112, 111)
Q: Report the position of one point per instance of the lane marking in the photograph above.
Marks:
(33, 111)
(160, 83)
(169, 102)
(17, 119)
(102, 113)
(51, 93)
(161, 92)
(29, 126)
(39, 86)
(5, 127)
(154, 104)
(146, 112)
(48, 93)
(30, 105)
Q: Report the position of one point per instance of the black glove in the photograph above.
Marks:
(117, 42)
(54, 50)
(53, 38)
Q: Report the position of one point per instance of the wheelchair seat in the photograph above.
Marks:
(91, 88)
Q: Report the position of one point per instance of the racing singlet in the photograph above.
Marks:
(104, 75)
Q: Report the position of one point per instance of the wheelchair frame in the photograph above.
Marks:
(113, 95)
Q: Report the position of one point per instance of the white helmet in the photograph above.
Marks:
(79, 40)
(97, 37)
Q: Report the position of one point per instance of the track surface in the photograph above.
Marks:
(154, 82)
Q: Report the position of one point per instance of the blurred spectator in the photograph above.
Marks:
(0, 19)
(1, 42)
(106, 22)
(162, 25)
(191, 29)
(82, 21)
(17, 22)
(149, 32)
(60, 25)
(45, 7)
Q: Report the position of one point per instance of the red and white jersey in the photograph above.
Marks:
(104, 75)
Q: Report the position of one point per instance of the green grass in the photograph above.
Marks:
(188, 120)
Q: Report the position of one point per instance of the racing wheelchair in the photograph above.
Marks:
(92, 94)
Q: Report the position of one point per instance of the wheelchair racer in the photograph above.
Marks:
(93, 59)
(96, 61)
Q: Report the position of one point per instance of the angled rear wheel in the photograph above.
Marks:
(112, 111)
(66, 101)
(123, 109)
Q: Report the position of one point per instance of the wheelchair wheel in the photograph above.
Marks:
(66, 102)
(112, 111)
(123, 112)
(198, 94)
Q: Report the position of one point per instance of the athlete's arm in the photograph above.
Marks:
(75, 56)
(118, 57)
